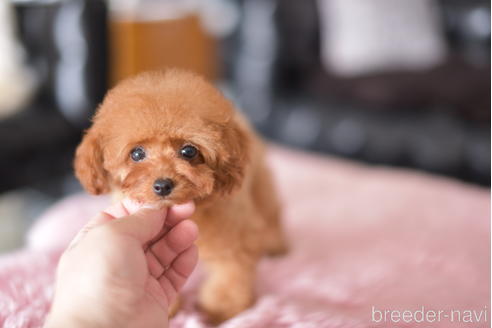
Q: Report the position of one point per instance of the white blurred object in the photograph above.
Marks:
(16, 81)
(151, 10)
(370, 36)
(219, 17)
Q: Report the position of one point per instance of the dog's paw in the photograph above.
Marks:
(218, 313)
(276, 245)
(278, 250)
(219, 309)
(174, 307)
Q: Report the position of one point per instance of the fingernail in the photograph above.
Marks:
(187, 204)
(150, 206)
(188, 207)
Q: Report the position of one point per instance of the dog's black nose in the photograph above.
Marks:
(163, 187)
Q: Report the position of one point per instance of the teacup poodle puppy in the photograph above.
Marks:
(168, 137)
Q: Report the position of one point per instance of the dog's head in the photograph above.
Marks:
(163, 137)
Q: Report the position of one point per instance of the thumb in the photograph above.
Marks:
(142, 225)
(99, 219)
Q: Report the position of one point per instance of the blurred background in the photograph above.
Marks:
(390, 82)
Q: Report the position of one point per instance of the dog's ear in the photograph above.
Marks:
(89, 165)
(233, 158)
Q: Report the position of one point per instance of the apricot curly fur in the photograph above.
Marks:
(237, 211)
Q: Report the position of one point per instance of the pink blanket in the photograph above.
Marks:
(370, 247)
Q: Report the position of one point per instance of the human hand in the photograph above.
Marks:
(125, 268)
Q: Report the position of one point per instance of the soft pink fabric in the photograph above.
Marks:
(360, 237)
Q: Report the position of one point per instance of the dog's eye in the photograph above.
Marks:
(137, 154)
(188, 152)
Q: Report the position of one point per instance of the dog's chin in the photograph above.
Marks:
(164, 203)
(157, 202)
(161, 201)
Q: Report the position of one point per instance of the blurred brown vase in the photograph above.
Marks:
(159, 39)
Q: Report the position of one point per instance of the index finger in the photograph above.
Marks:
(175, 214)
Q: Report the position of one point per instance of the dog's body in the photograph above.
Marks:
(168, 137)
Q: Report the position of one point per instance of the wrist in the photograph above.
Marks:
(59, 320)
(80, 315)
(76, 315)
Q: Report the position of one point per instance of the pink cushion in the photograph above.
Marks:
(364, 241)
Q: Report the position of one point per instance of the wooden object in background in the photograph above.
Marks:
(139, 45)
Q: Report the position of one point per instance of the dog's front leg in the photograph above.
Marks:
(229, 287)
